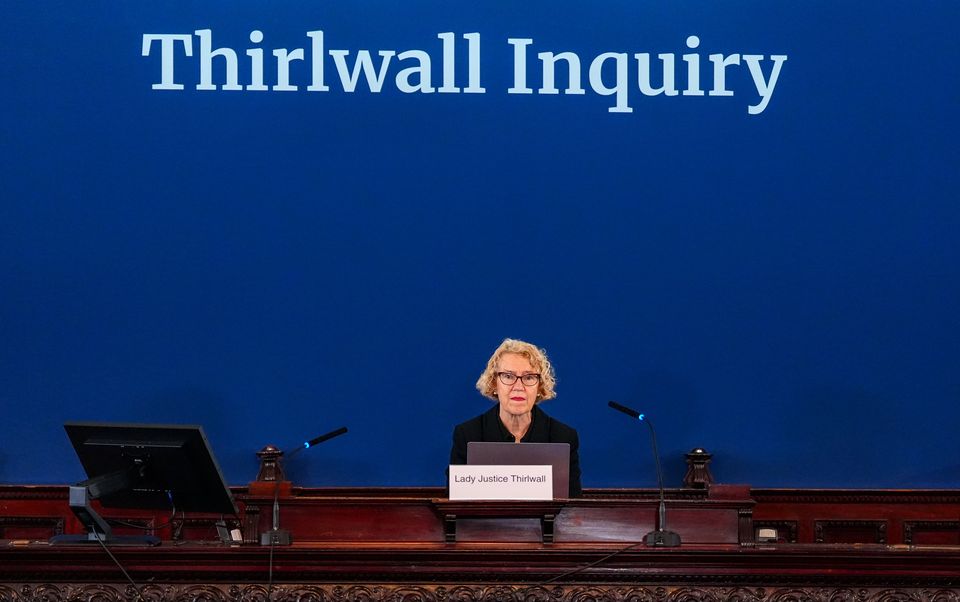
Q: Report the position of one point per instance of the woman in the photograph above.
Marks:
(518, 376)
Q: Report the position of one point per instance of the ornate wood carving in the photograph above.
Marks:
(251, 524)
(745, 526)
(86, 592)
(270, 467)
(698, 469)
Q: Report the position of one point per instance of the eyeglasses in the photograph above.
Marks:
(528, 380)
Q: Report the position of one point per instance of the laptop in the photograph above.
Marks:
(553, 454)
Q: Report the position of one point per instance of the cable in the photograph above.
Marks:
(173, 516)
(587, 566)
(276, 498)
(136, 588)
(270, 577)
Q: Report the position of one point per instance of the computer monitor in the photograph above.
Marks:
(153, 466)
(556, 455)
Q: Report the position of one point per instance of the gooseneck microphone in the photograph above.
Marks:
(659, 537)
(281, 537)
(317, 441)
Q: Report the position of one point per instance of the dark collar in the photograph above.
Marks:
(494, 430)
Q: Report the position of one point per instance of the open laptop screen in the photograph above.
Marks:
(553, 454)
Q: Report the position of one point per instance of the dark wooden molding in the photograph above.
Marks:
(759, 494)
(856, 496)
(33, 492)
(518, 563)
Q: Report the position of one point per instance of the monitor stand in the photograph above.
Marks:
(98, 530)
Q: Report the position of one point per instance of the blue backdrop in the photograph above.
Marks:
(780, 288)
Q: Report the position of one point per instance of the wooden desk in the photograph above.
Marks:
(387, 545)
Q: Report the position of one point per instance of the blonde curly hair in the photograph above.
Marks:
(487, 383)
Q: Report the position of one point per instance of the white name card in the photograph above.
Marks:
(501, 482)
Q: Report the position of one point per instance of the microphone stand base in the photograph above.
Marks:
(662, 539)
(276, 537)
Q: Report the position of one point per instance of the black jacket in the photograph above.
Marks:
(543, 429)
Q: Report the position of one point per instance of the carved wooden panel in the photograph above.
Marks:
(850, 531)
(199, 529)
(931, 532)
(786, 529)
(132, 525)
(30, 527)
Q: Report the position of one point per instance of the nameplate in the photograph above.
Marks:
(501, 482)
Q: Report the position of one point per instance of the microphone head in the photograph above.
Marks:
(625, 410)
(325, 437)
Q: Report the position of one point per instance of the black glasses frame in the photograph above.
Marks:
(509, 378)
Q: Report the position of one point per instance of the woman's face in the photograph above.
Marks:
(516, 399)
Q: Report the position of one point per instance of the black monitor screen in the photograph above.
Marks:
(172, 465)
